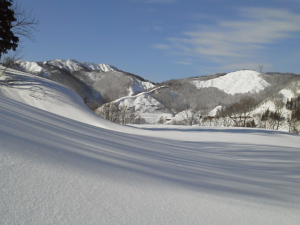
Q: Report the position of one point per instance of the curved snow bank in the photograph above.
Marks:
(49, 96)
(242, 81)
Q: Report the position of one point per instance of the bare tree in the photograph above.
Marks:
(294, 118)
(109, 112)
(240, 112)
(118, 114)
(127, 115)
(9, 61)
(26, 22)
(161, 120)
(190, 113)
(24, 25)
(278, 117)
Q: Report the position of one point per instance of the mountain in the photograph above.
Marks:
(141, 105)
(236, 82)
(205, 96)
(62, 164)
(95, 83)
(73, 65)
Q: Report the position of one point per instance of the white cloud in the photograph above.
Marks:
(160, 46)
(237, 40)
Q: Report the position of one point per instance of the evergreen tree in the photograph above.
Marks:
(7, 38)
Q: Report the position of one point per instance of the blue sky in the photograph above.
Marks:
(169, 39)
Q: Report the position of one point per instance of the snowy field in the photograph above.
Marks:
(60, 164)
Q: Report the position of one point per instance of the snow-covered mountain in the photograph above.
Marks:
(101, 83)
(95, 83)
(69, 65)
(143, 105)
(242, 81)
(73, 65)
(61, 165)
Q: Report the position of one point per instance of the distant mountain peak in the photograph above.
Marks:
(74, 65)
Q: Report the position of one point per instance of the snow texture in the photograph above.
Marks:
(242, 81)
(56, 170)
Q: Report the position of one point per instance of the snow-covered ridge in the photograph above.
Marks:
(139, 86)
(143, 104)
(73, 65)
(242, 81)
(69, 65)
(32, 67)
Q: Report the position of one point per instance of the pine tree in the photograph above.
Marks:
(7, 38)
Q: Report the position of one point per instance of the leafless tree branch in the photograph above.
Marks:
(26, 23)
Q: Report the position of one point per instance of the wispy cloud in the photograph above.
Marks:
(244, 38)
(161, 46)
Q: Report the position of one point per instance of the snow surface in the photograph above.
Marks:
(242, 81)
(287, 94)
(139, 86)
(56, 170)
(215, 111)
(73, 65)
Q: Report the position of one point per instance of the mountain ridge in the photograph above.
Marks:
(98, 84)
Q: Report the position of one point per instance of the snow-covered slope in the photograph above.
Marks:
(242, 81)
(142, 104)
(139, 86)
(288, 94)
(49, 96)
(55, 170)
